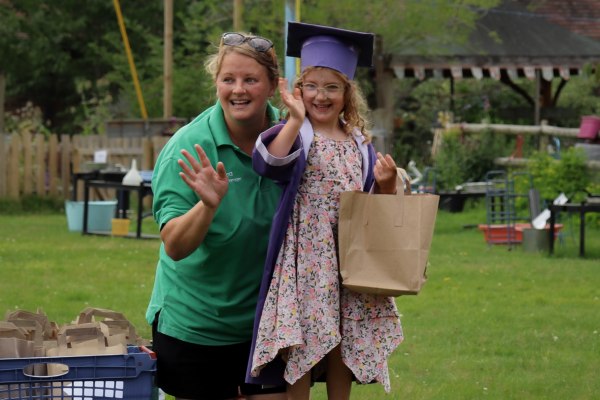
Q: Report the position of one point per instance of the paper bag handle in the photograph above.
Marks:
(86, 315)
(82, 331)
(402, 188)
(403, 181)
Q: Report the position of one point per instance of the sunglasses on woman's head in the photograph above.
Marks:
(258, 43)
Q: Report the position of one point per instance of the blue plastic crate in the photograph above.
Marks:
(100, 215)
(122, 376)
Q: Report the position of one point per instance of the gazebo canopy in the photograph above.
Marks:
(508, 41)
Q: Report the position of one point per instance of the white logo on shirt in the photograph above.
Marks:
(231, 178)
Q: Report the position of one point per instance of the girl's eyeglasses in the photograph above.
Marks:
(328, 90)
(258, 43)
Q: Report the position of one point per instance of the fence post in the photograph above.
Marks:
(27, 168)
(53, 164)
(543, 139)
(40, 161)
(14, 150)
(65, 165)
(3, 162)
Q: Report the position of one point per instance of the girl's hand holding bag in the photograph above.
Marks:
(384, 239)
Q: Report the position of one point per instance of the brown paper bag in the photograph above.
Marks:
(90, 314)
(49, 329)
(85, 339)
(80, 340)
(18, 340)
(116, 328)
(14, 342)
(384, 241)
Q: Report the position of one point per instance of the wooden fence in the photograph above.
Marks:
(543, 131)
(32, 163)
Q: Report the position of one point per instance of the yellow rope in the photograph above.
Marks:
(136, 83)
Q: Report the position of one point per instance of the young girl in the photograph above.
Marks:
(307, 318)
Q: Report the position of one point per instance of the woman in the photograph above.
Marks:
(214, 225)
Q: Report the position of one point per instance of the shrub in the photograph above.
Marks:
(31, 204)
(466, 158)
(568, 175)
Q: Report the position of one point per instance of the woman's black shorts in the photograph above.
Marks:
(194, 371)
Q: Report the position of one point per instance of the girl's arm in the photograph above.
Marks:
(281, 145)
(183, 234)
(385, 174)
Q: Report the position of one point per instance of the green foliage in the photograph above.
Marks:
(466, 157)
(197, 29)
(487, 99)
(27, 118)
(450, 161)
(91, 116)
(48, 48)
(420, 103)
(31, 204)
(429, 27)
(582, 94)
(569, 174)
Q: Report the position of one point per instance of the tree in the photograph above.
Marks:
(49, 46)
(197, 30)
(425, 26)
(63, 56)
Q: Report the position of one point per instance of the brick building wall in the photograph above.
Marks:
(579, 16)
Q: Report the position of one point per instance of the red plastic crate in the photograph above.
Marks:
(503, 234)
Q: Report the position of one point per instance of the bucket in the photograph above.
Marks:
(120, 226)
(590, 125)
(100, 214)
(535, 240)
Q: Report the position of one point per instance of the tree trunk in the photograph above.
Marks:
(238, 12)
(2, 96)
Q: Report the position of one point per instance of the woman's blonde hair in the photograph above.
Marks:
(355, 108)
(267, 59)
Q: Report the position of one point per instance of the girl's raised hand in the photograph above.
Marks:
(293, 101)
(202, 178)
(385, 174)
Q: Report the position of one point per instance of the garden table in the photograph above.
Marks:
(582, 209)
(144, 189)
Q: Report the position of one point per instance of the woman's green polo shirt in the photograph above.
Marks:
(210, 297)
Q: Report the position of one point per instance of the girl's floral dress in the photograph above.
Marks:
(307, 311)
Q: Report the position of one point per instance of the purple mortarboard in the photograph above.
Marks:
(324, 46)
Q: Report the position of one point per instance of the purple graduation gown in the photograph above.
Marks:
(288, 172)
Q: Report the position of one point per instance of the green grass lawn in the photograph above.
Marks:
(490, 323)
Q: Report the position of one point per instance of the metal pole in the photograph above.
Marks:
(168, 60)
(136, 83)
(292, 13)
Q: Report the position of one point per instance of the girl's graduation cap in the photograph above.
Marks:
(324, 46)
